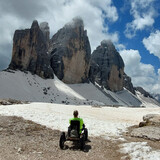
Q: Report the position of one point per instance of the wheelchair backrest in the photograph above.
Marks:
(75, 125)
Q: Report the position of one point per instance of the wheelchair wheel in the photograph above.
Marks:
(62, 140)
(86, 134)
(82, 142)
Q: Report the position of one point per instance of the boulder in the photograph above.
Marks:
(30, 52)
(147, 132)
(149, 128)
(70, 53)
(107, 67)
(152, 119)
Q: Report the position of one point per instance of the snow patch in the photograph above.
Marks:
(139, 151)
(27, 87)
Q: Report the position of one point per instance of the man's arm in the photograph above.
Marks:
(81, 123)
(70, 121)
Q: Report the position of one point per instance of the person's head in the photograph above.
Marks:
(75, 113)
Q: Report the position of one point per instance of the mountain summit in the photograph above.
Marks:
(107, 67)
(30, 52)
(70, 53)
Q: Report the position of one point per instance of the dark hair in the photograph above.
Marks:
(75, 113)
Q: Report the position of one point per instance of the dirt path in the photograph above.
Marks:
(25, 140)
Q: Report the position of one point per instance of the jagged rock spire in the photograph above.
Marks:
(30, 52)
(107, 67)
(70, 52)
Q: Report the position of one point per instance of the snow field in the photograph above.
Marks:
(108, 122)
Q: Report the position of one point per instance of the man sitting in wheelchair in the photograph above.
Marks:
(77, 126)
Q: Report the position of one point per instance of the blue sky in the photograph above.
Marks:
(136, 43)
(132, 25)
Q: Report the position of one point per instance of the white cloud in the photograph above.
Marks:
(156, 87)
(61, 12)
(143, 14)
(142, 74)
(107, 7)
(7, 28)
(120, 47)
(152, 43)
(20, 14)
(159, 73)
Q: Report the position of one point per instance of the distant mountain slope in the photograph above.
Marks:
(122, 98)
(25, 86)
(147, 101)
(156, 96)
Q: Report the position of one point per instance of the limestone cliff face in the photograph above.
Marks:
(107, 67)
(30, 52)
(70, 53)
(128, 84)
(143, 92)
(45, 29)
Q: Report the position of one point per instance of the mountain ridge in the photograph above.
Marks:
(67, 55)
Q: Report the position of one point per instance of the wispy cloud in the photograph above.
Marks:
(20, 14)
(93, 12)
(142, 74)
(152, 43)
(143, 13)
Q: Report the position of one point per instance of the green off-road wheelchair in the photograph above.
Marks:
(74, 135)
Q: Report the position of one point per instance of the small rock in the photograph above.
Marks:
(142, 124)
(19, 150)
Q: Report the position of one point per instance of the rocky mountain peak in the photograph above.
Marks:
(44, 26)
(107, 67)
(70, 52)
(30, 52)
(34, 24)
(107, 43)
(76, 22)
(68, 55)
(46, 31)
(142, 91)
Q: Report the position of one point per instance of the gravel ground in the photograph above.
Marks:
(25, 140)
